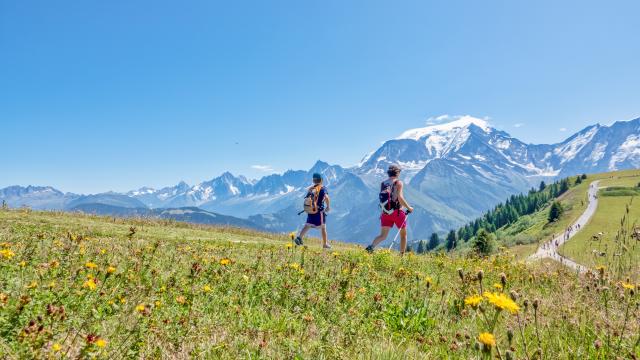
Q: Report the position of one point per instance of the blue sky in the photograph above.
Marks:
(98, 95)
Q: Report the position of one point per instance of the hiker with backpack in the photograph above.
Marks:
(391, 202)
(314, 205)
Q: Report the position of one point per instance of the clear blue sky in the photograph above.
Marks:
(114, 95)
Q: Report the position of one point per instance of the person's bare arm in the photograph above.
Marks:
(328, 202)
(401, 198)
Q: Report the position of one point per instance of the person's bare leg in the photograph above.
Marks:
(384, 232)
(403, 240)
(304, 231)
(325, 241)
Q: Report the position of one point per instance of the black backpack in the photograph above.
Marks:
(387, 204)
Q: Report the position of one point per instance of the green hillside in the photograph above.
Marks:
(617, 216)
(523, 236)
(75, 286)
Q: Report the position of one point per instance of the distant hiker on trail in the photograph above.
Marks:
(314, 205)
(392, 201)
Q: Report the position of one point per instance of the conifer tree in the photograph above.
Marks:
(434, 241)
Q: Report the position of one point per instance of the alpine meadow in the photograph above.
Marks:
(360, 180)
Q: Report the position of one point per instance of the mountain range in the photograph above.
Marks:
(453, 172)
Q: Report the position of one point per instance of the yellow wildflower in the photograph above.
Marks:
(22, 263)
(206, 288)
(628, 286)
(101, 343)
(473, 301)
(289, 245)
(502, 302)
(487, 339)
(7, 254)
(158, 303)
(111, 270)
(91, 265)
(497, 286)
(294, 266)
(90, 284)
(428, 280)
(140, 308)
(292, 235)
(56, 347)
(52, 285)
(335, 253)
(225, 261)
(32, 285)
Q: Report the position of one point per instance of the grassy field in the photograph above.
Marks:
(615, 249)
(75, 286)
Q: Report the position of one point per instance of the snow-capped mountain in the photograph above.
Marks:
(453, 171)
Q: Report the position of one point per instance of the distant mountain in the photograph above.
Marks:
(36, 197)
(453, 172)
(110, 198)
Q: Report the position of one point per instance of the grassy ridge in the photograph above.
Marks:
(617, 215)
(79, 286)
(524, 236)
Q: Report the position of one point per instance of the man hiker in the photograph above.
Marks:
(392, 201)
(314, 205)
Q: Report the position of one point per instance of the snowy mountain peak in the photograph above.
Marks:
(460, 123)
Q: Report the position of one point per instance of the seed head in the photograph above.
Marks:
(536, 304)
(503, 279)
(461, 274)
(480, 275)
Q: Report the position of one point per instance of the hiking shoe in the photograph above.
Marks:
(326, 246)
(369, 249)
(298, 241)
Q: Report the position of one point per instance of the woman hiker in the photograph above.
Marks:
(392, 201)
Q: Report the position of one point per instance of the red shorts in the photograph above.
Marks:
(397, 218)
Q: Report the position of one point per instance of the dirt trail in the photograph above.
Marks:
(550, 249)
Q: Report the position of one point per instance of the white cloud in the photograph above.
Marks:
(446, 118)
(563, 129)
(518, 125)
(438, 119)
(263, 168)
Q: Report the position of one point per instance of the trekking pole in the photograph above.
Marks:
(399, 230)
